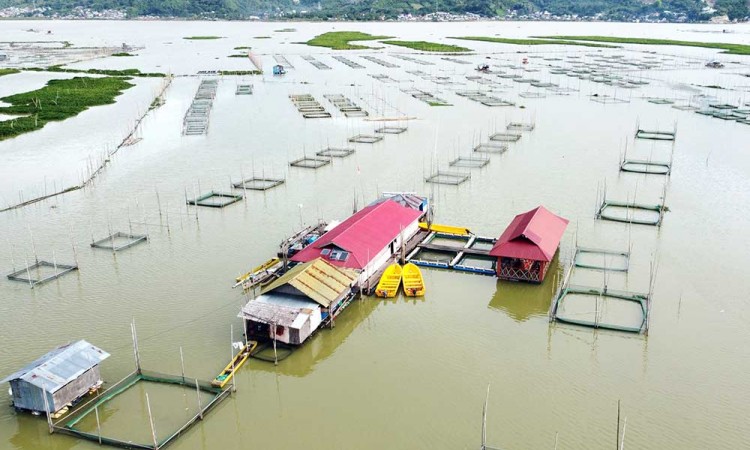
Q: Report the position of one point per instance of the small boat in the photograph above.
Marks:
(259, 274)
(389, 282)
(413, 281)
(448, 229)
(234, 365)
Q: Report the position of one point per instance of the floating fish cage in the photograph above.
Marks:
(451, 178)
(525, 80)
(348, 62)
(456, 60)
(356, 114)
(724, 106)
(637, 304)
(656, 135)
(83, 422)
(414, 60)
(491, 147)
(266, 352)
(505, 137)
(520, 126)
(390, 130)
(380, 62)
(494, 101)
(282, 60)
(365, 139)
(317, 64)
(310, 163)
(634, 213)
(244, 89)
(607, 99)
(332, 152)
(119, 241)
(346, 106)
(686, 107)
(41, 272)
(531, 94)
(469, 162)
(259, 184)
(597, 259)
(646, 167)
(215, 199)
(316, 115)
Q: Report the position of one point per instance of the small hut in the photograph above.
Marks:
(291, 308)
(526, 248)
(62, 376)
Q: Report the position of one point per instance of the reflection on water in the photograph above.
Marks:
(522, 301)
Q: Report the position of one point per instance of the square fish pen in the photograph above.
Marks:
(119, 241)
(469, 162)
(84, 421)
(365, 139)
(316, 115)
(505, 137)
(635, 213)
(215, 199)
(520, 126)
(41, 272)
(638, 305)
(332, 152)
(259, 184)
(646, 167)
(391, 130)
(607, 99)
(451, 178)
(597, 259)
(310, 163)
(656, 135)
(491, 147)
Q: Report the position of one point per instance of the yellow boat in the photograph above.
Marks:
(257, 274)
(389, 282)
(234, 365)
(447, 229)
(413, 281)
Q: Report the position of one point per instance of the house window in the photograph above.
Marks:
(325, 251)
(339, 255)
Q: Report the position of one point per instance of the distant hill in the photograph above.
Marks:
(671, 10)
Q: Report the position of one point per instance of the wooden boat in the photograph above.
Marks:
(413, 281)
(389, 282)
(234, 365)
(447, 229)
(258, 274)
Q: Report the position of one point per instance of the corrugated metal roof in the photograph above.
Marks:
(60, 366)
(364, 234)
(317, 279)
(532, 235)
(271, 312)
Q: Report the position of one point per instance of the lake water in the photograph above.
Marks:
(405, 373)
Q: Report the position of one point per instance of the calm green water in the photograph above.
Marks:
(407, 373)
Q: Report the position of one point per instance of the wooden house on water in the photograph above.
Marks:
(58, 378)
(291, 308)
(528, 245)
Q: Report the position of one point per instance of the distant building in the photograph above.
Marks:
(367, 239)
(62, 376)
(291, 308)
(528, 245)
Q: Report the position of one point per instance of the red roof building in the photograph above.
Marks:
(364, 237)
(527, 246)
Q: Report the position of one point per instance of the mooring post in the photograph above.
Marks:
(200, 405)
(617, 441)
(28, 274)
(98, 424)
(275, 355)
(158, 202)
(182, 364)
(231, 354)
(151, 422)
(136, 353)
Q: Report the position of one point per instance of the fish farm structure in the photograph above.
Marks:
(119, 241)
(214, 199)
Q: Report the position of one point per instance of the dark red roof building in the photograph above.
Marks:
(526, 248)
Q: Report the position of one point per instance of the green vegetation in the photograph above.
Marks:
(108, 72)
(122, 54)
(530, 41)
(8, 71)
(202, 38)
(238, 55)
(240, 72)
(340, 40)
(242, 48)
(439, 104)
(262, 37)
(285, 30)
(428, 46)
(732, 49)
(58, 100)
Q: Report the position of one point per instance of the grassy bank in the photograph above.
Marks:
(8, 71)
(108, 72)
(534, 41)
(340, 40)
(58, 100)
(732, 49)
(121, 54)
(428, 46)
(240, 72)
(202, 38)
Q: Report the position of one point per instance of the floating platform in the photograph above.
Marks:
(635, 213)
(214, 199)
(598, 259)
(41, 272)
(310, 163)
(600, 295)
(460, 252)
(244, 89)
(491, 147)
(119, 241)
(520, 126)
(390, 130)
(259, 183)
(365, 139)
(646, 167)
(346, 61)
(656, 135)
(505, 137)
(380, 62)
(452, 178)
(332, 152)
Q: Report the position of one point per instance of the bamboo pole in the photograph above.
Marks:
(182, 364)
(98, 424)
(151, 422)
(200, 405)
